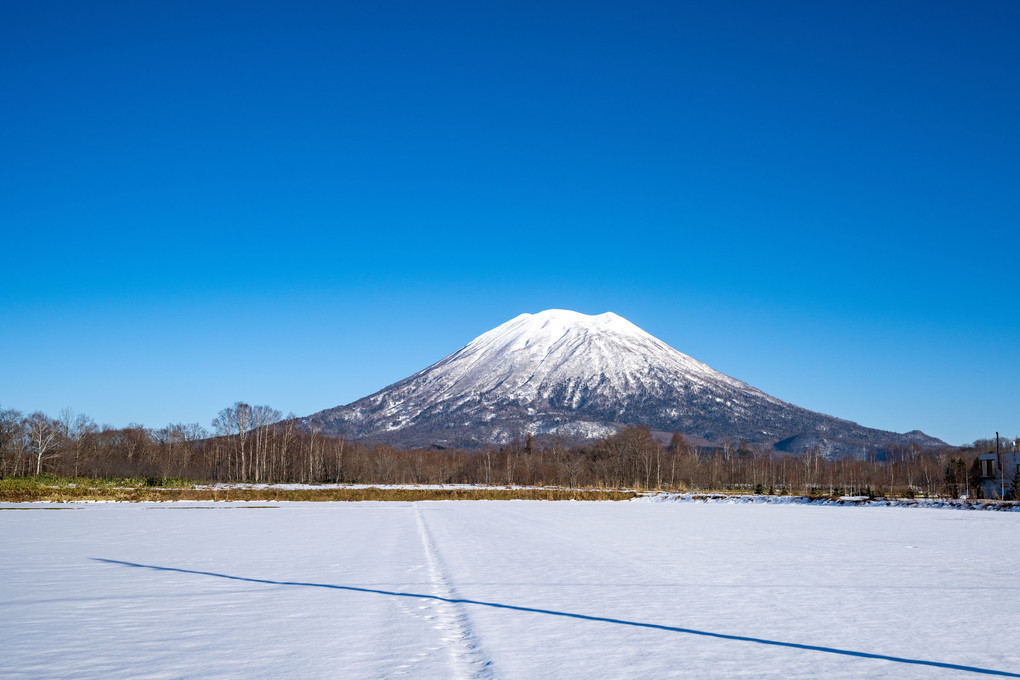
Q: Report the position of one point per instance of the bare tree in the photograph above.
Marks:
(12, 441)
(74, 429)
(43, 434)
(235, 421)
(176, 444)
(262, 418)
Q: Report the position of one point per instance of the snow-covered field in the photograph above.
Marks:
(509, 589)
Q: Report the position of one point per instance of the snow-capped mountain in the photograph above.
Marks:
(561, 372)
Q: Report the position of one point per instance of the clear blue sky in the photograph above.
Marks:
(298, 203)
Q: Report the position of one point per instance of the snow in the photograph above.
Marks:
(951, 503)
(555, 356)
(556, 347)
(506, 590)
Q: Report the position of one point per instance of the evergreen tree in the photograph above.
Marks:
(955, 477)
(974, 477)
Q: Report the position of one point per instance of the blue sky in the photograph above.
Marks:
(299, 203)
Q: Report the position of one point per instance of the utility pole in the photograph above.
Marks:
(1002, 470)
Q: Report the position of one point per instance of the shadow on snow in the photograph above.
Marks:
(585, 617)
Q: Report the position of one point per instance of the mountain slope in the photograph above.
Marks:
(561, 372)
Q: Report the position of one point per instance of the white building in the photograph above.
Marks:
(997, 470)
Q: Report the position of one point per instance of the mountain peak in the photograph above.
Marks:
(557, 323)
(562, 372)
(571, 317)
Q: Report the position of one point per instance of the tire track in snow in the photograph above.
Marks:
(467, 658)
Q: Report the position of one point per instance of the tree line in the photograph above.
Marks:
(255, 444)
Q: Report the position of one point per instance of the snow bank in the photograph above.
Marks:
(855, 501)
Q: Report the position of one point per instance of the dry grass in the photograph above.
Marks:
(26, 489)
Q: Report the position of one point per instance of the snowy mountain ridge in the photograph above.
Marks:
(562, 355)
(562, 372)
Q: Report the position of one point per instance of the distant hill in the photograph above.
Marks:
(565, 373)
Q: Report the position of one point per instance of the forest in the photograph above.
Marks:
(256, 444)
